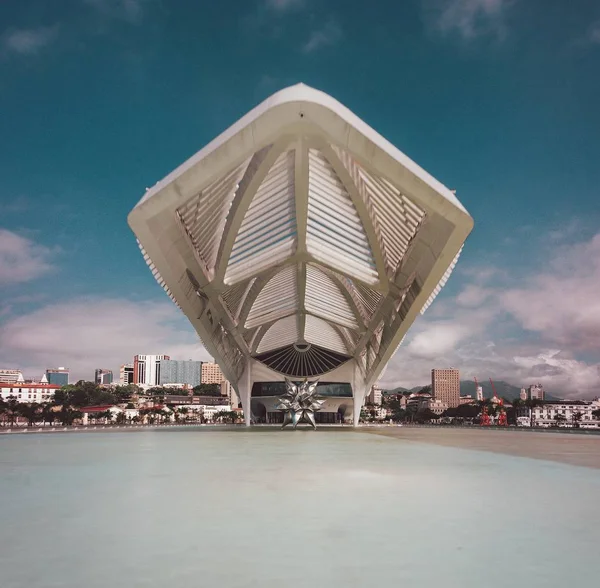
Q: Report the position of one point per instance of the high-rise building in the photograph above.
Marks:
(126, 374)
(9, 376)
(523, 394)
(479, 393)
(58, 376)
(211, 373)
(445, 386)
(536, 392)
(228, 390)
(374, 396)
(103, 377)
(187, 372)
(146, 369)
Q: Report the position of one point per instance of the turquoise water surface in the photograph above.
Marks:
(295, 508)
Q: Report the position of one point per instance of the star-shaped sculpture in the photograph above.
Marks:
(300, 403)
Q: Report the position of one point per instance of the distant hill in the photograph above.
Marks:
(398, 390)
(401, 390)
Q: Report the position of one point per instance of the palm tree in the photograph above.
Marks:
(560, 418)
(576, 417)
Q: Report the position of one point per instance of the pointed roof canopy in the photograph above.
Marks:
(302, 238)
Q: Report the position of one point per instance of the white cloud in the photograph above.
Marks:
(21, 259)
(545, 330)
(437, 339)
(326, 36)
(29, 41)
(562, 302)
(469, 18)
(89, 333)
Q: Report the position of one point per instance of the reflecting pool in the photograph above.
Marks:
(266, 508)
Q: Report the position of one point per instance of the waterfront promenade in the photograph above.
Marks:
(581, 448)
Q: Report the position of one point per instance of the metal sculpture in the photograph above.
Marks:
(300, 403)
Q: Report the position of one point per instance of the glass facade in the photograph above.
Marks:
(58, 377)
(172, 371)
(337, 389)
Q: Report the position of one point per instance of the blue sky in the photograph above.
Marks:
(498, 99)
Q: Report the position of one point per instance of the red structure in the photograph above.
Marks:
(502, 422)
(484, 420)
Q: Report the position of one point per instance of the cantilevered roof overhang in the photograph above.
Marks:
(302, 238)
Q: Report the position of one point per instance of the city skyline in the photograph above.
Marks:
(513, 131)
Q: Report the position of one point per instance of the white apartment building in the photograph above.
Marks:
(8, 376)
(31, 393)
(374, 396)
(146, 369)
(479, 393)
(546, 414)
(536, 392)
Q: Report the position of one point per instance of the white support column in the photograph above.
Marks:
(359, 392)
(244, 386)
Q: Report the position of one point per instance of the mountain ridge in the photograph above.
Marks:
(467, 388)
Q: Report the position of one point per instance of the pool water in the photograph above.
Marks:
(264, 508)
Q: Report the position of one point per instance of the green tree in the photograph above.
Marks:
(468, 411)
(11, 409)
(511, 413)
(207, 390)
(425, 416)
(48, 414)
(31, 412)
(576, 418)
(397, 412)
(596, 413)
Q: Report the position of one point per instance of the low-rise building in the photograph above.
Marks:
(209, 411)
(562, 413)
(466, 400)
(29, 392)
(419, 401)
(437, 406)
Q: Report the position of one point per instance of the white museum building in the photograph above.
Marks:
(301, 244)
